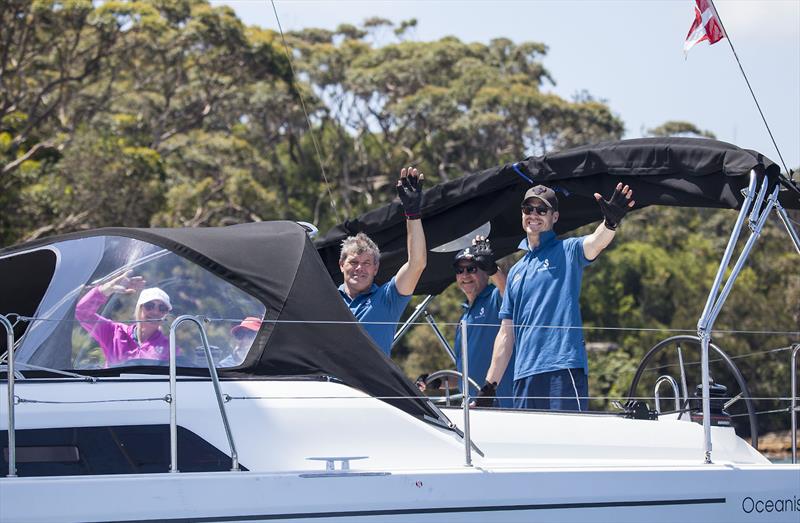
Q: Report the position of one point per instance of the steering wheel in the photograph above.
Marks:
(682, 341)
(450, 373)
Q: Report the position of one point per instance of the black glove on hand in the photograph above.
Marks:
(423, 378)
(409, 189)
(615, 208)
(484, 257)
(486, 395)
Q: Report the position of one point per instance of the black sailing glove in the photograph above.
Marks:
(615, 208)
(409, 189)
(422, 382)
(484, 257)
(486, 395)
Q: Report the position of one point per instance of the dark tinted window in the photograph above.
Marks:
(136, 449)
(22, 295)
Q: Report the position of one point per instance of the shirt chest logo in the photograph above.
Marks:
(545, 266)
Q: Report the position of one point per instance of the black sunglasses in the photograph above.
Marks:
(150, 305)
(471, 269)
(541, 210)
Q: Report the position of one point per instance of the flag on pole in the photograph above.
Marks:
(706, 26)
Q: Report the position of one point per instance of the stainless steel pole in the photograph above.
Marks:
(440, 336)
(173, 428)
(212, 370)
(411, 319)
(173, 397)
(794, 402)
(788, 224)
(684, 388)
(12, 441)
(737, 267)
(705, 339)
(465, 393)
(706, 318)
(723, 264)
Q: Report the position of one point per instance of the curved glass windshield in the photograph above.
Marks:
(111, 302)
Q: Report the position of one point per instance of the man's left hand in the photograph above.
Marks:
(409, 189)
(615, 208)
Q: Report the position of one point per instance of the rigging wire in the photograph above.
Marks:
(752, 93)
(305, 112)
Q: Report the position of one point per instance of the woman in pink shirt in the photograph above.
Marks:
(121, 342)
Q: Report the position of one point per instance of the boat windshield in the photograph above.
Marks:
(111, 300)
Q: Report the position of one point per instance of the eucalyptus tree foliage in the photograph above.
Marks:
(98, 98)
(679, 128)
(449, 106)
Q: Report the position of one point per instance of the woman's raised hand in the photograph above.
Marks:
(123, 284)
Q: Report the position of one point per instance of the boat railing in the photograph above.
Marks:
(12, 447)
(675, 392)
(173, 389)
(794, 407)
(681, 398)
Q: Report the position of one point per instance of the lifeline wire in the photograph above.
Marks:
(305, 111)
(446, 324)
(741, 356)
(753, 94)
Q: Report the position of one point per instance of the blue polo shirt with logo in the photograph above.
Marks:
(542, 294)
(483, 323)
(378, 304)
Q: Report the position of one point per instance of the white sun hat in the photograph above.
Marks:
(153, 293)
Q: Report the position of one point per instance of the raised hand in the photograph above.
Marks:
(484, 257)
(615, 208)
(409, 189)
(123, 284)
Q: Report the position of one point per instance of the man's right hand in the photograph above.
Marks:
(422, 383)
(486, 395)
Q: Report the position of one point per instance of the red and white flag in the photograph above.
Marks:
(706, 26)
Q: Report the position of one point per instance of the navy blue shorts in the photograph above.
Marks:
(565, 389)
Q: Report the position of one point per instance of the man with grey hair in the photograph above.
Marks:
(380, 307)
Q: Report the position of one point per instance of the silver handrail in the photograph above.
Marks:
(465, 392)
(657, 396)
(795, 350)
(12, 442)
(706, 320)
(173, 386)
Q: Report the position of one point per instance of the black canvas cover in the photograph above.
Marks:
(313, 332)
(683, 172)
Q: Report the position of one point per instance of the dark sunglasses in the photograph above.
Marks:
(150, 305)
(471, 269)
(530, 209)
(242, 334)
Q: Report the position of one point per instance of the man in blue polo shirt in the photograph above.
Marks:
(475, 267)
(380, 307)
(541, 319)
